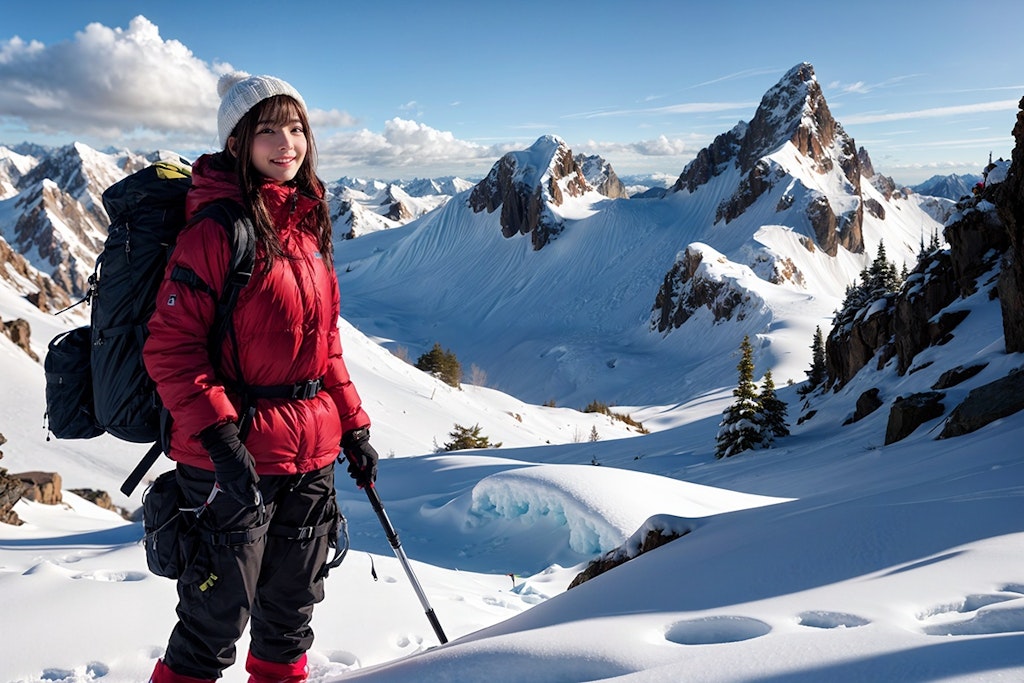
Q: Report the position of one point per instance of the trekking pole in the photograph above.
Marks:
(392, 535)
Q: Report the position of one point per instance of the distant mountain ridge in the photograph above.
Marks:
(951, 186)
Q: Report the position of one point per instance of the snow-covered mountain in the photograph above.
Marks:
(361, 206)
(601, 176)
(51, 212)
(646, 185)
(951, 186)
(533, 271)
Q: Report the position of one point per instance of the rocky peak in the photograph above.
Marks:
(601, 176)
(61, 232)
(394, 200)
(527, 185)
(867, 169)
(794, 110)
(60, 222)
(83, 173)
(12, 167)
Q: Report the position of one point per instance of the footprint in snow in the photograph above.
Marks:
(328, 666)
(821, 619)
(111, 576)
(714, 630)
(978, 614)
(413, 643)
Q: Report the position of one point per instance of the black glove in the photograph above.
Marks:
(362, 458)
(232, 462)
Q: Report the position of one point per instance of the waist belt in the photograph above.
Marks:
(247, 536)
(303, 390)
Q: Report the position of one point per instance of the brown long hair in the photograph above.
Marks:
(279, 109)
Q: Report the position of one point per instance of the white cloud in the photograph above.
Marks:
(657, 147)
(863, 88)
(746, 73)
(685, 108)
(409, 146)
(109, 82)
(936, 112)
(334, 118)
(404, 143)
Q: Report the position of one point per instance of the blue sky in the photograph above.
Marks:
(400, 90)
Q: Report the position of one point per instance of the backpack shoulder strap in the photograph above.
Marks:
(242, 240)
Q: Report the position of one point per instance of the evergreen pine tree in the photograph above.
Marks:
(740, 426)
(441, 364)
(857, 295)
(773, 412)
(882, 277)
(468, 437)
(876, 281)
(817, 374)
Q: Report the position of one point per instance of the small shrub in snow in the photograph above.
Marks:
(468, 437)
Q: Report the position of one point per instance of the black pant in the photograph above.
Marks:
(245, 570)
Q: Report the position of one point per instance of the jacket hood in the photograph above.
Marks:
(214, 177)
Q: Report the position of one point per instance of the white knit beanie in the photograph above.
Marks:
(240, 92)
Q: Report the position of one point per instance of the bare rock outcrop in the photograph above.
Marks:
(916, 317)
(688, 287)
(20, 332)
(867, 403)
(910, 412)
(711, 160)
(927, 290)
(1011, 277)
(851, 346)
(986, 404)
(41, 487)
(11, 490)
(656, 532)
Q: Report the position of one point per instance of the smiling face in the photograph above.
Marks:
(279, 144)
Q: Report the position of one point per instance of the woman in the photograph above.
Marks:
(257, 422)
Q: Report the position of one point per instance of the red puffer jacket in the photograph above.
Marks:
(286, 326)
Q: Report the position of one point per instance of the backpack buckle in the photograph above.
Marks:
(308, 389)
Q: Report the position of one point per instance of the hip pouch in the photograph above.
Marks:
(171, 533)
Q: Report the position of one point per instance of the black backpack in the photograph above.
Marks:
(96, 381)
